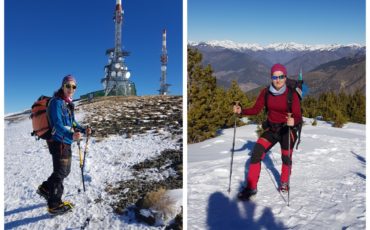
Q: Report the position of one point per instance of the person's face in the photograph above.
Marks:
(69, 88)
(279, 81)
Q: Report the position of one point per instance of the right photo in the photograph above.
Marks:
(276, 114)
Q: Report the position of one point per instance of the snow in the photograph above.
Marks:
(27, 163)
(290, 46)
(327, 183)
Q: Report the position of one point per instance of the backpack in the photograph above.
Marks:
(293, 86)
(40, 118)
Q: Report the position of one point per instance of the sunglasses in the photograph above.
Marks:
(69, 86)
(281, 77)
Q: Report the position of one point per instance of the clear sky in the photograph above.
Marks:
(268, 21)
(45, 40)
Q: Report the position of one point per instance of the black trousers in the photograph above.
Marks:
(62, 156)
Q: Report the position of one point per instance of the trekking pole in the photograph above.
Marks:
(232, 151)
(87, 221)
(290, 158)
(81, 162)
(82, 159)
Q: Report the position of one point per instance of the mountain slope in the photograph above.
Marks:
(312, 60)
(344, 74)
(249, 64)
(229, 65)
(327, 184)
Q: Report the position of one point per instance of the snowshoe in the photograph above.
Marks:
(247, 194)
(284, 188)
(61, 209)
(43, 191)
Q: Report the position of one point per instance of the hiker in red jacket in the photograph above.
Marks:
(276, 128)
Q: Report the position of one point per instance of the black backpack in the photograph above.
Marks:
(294, 86)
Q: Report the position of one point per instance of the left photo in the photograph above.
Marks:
(93, 115)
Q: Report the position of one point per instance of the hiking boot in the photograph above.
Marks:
(247, 194)
(61, 208)
(284, 188)
(43, 191)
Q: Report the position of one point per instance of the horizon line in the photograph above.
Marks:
(276, 42)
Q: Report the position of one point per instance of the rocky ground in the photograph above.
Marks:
(134, 115)
(130, 116)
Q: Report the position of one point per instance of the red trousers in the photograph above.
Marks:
(267, 140)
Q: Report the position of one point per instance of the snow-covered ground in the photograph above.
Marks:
(327, 183)
(28, 163)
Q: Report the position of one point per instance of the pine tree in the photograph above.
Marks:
(235, 94)
(339, 108)
(221, 108)
(201, 96)
(357, 107)
(339, 118)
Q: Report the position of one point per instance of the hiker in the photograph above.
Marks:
(65, 130)
(276, 129)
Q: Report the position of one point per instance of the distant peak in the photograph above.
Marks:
(293, 46)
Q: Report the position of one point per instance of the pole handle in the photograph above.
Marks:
(237, 103)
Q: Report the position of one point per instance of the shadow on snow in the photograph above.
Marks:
(25, 221)
(363, 162)
(225, 214)
(360, 158)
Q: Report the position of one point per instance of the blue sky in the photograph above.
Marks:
(45, 40)
(269, 21)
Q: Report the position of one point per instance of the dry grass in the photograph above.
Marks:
(159, 201)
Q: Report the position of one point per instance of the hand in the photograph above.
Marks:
(290, 121)
(88, 131)
(237, 109)
(76, 136)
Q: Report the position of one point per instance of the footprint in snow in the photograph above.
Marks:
(32, 151)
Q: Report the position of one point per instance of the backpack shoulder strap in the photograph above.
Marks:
(48, 110)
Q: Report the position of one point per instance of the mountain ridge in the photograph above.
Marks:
(250, 68)
(292, 46)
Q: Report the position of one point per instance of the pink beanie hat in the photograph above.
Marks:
(278, 67)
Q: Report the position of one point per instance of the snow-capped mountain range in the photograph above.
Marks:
(290, 46)
(249, 64)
